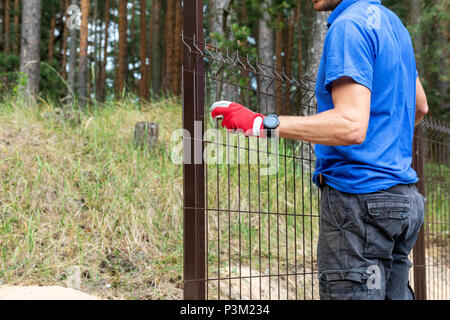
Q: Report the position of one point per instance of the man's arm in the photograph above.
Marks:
(421, 102)
(346, 124)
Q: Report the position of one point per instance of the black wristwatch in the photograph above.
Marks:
(270, 123)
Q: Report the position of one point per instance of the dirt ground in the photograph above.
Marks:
(42, 293)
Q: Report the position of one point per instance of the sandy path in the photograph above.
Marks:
(42, 293)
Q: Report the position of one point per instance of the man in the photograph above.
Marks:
(369, 100)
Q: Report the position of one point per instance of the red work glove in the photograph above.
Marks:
(237, 117)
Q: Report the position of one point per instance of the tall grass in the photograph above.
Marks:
(81, 194)
(77, 192)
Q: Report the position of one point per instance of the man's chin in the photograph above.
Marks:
(320, 7)
(323, 6)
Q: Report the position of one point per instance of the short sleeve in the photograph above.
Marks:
(348, 52)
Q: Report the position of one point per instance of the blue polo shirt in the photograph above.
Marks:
(369, 43)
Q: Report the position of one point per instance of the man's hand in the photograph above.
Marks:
(237, 117)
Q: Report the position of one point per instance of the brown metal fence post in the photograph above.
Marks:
(419, 247)
(193, 168)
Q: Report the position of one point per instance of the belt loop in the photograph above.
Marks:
(320, 179)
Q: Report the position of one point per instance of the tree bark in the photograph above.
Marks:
(156, 48)
(266, 52)
(16, 27)
(65, 5)
(416, 7)
(319, 31)
(288, 59)
(177, 49)
(279, 61)
(102, 73)
(143, 86)
(83, 63)
(29, 54)
(2, 36)
(7, 27)
(97, 44)
(298, 19)
(123, 65)
(217, 22)
(169, 26)
(72, 57)
(51, 38)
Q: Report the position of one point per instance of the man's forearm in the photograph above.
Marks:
(327, 128)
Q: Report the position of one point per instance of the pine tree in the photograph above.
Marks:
(101, 88)
(143, 84)
(156, 48)
(83, 62)
(123, 64)
(29, 54)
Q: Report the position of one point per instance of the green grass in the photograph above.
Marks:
(76, 192)
(81, 194)
(437, 179)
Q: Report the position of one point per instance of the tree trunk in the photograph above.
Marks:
(131, 53)
(298, 20)
(156, 48)
(16, 27)
(319, 31)
(279, 61)
(266, 52)
(178, 48)
(51, 38)
(217, 16)
(217, 22)
(288, 59)
(64, 5)
(143, 86)
(72, 57)
(416, 8)
(7, 27)
(150, 46)
(169, 26)
(83, 63)
(121, 77)
(29, 54)
(2, 36)
(102, 76)
(97, 44)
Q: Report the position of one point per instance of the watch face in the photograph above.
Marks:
(271, 121)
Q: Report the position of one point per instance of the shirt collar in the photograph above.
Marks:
(342, 6)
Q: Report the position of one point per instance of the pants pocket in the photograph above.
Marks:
(386, 219)
(346, 285)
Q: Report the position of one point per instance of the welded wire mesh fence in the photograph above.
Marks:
(251, 210)
(434, 254)
(261, 207)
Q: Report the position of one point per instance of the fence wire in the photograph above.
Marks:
(436, 179)
(256, 208)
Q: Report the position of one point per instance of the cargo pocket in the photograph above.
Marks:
(385, 221)
(343, 285)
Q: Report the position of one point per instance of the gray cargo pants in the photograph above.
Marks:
(364, 243)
